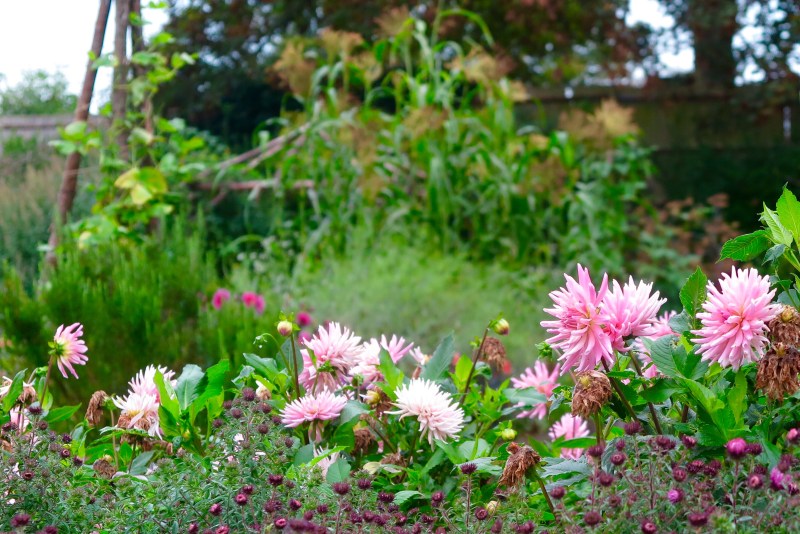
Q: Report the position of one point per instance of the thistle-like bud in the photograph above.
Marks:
(285, 328)
(592, 391)
(501, 327)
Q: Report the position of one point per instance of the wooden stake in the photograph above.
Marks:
(119, 95)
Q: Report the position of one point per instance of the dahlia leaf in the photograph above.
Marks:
(774, 253)
(14, 391)
(693, 292)
(441, 359)
(780, 235)
(789, 212)
(745, 247)
(186, 388)
(62, 413)
(402, 496)
(737, 397)
(338, 472)
(661, 353)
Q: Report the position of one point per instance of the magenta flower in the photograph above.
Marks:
(69, 349)
(303, 319)
(253, 300)
(630, 311)
(221, 295)
(328, 357)
(569, 427)
(737, 448)
(675, 495)
(313, 409)
(544, 382)
(735, 319)
(395, 347)
(578, 328)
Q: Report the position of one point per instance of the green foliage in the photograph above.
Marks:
(38, 93)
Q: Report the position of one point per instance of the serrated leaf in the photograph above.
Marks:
(402, 496)
(338, 471)
(304, 454)
(441, 359)
(680, 323)
(745, 247)
(140, 195)
(693, 292)
(186, 388)
(565, 466)
(774, 253)
(780, 235)
(661, 353)
(788, 209)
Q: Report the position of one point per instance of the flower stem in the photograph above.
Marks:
(296, 368)
(653, 413)
(46, 381)
(544, 492)
(475, 357)
(615, 385)
(598, 429)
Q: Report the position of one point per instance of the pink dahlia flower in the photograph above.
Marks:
(660, 328)
(253, 300)
(313, 409)
(395, 347)
(367, 361)
(544, 382)
(735, 319)
(69, 349)
(139, 411)
(578, 329)
(220, 297)
(438, 416)
(328, 357)
(144, 382)
(630, 311)
(569, 427)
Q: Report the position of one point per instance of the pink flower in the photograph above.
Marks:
(325, 463)
(328, 358)
(569, 427)
(69, 349)
(735, 319)
(303, 319)
(313, 409)
(630, 311)
(660, 328)
(303, 337)
(438, 415)
(395, 347)
(367, 361)
(578, 328)
(139, 411)
(220, 297)
(253, 300)
(544, 382)
(144, 382)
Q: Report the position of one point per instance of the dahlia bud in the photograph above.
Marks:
(508, 434)
(285, 328)
(491, 507)
(501, 327)
(592, 391)
(372, 397)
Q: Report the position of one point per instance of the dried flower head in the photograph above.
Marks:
(363, 440)
(778, 370)
(439, 417)
(592, 392)
(94, 412)
(785, 327)
(521, 458)
(494, 354)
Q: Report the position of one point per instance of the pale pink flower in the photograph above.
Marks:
(19, 418)
(420, 357)
(660, 328)
(253, 300)
(220, 297)
(313, 409)
(69, 349)
(735, 319)
(544, 382)
(438, 416)
(569, 427)
(139, 411)
(367, 361)
(629, 311)
(325, 463)
(328, 357)
(395, 347)
(578, 328)
(144, 382)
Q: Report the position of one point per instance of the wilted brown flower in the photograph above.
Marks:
(380, 401)
(592, 391)
(104, 468)
(494, 353)
(785, 327)
(394, 458)
(363, 440)
(522, 458)
(94, 412)
(778, 370)
(26, 396)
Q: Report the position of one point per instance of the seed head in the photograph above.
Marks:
(592, 392)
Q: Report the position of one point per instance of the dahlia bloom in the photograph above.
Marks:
(326, 462)
(630, 310)
(139, 411)
(221, 295)
(569, 427)
(395, 347)
(253, 300)
(420, 357)
(145, 384)
(367, 361)
(659, 329)
(313, 409)
(333, 350)
(578, 329)
(735, 319)
(544, 382)
(438, 416)
(69, 349)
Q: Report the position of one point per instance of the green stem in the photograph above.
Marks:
(475, 357)
(653, 413)
(296, 368)
(544, 492)
(621, 396)
(46, 381)
(598, 430)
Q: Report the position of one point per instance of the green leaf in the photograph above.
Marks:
(167, 396)
(737, 397)
(707, 399)
(441, 359)
(565, 466)
(745, 247)
(304, 454)
(338, 471)
(62, 413)
(402, 496)
(680, 323)
(186, 388)
(352, 410)
(139, 465)
(789, 212)
(14, 390)
(661, 353)
(392, 374)
(693, 292)
(774, 253)
(128, 179)
(213, 382)
(780, 235)
(577, 443)
(660, 391)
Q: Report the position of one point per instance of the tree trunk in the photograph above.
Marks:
(119, 95)
(713, 25)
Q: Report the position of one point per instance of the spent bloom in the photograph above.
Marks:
(439, 417)
(630, 310)
(253, 300)
(69, 349)
(313, 409)
(735, 317)
(395, 347)
(221, 295)
(569, 427)
(578, 326)
(328, 356)
(543, 380)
